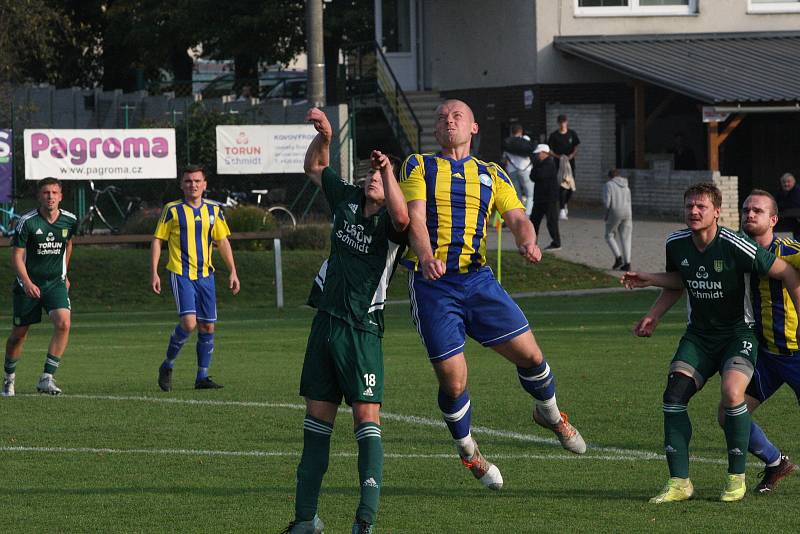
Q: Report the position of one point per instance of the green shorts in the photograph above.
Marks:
(342, 361)
(27, 311)
(704, 355)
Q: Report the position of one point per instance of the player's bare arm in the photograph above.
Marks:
(225, 251)
(318, 153)
(393, 197)
(67, 257)
(647, 324)
(524, 234)
(18, 264)
(155, 255)
(790, 279)
(633, 280)
(418, 238)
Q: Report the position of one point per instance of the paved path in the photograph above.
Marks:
(583, 241)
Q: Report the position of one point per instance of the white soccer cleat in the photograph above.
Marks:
(8, 385)
(567, 435)
(486, 472)
(47, 385)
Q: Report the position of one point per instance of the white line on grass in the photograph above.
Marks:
(295, 454)
(409, 419)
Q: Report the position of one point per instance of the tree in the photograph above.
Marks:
(346, 22)
(253, 32)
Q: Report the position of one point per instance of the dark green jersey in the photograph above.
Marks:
(45, 244)
(364, 255)
(716, 279)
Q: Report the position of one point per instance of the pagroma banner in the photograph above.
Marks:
(6, 165)
(261, 149)
(133, 154)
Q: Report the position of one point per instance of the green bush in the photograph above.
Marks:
(142, 222)
(247, 219)
(308, 237)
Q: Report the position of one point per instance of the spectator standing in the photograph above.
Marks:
(517, 150)
(788, 198)
(564, 142)
(546, 201)
(684, 159)
(619, 221)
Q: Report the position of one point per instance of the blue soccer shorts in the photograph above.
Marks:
(772, 371)
(195, 297)
(458, 305)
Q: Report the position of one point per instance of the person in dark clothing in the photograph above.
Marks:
(683, 155)
(546, 199)
(788, 199)
(564, 142)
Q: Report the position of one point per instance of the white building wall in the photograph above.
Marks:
(558, 18)
(594, 124)
(473, 43)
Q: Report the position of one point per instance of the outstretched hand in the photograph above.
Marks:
(321, 123)
(379, 160)
(632, 280)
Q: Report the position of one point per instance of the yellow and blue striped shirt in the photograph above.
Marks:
(775, 315)
(460, 197)
(189, 233)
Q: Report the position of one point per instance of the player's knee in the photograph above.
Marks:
(188, 323)
(452, 387)
(680, 388)
(366, 412)
(732, 395)
(205, 328)
(62, 325)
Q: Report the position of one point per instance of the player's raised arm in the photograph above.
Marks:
(393, 197)
(318, 153)
(155, 256)
(419, 239)
(524, 234)
(671, 280)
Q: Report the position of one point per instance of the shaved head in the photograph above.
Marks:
(455, 126)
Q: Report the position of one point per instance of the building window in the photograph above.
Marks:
(621, 8)
(396, 26)
(773, 6)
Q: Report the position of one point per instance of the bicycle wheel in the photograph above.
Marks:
(283, 217)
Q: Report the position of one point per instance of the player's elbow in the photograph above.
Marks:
(401, 221)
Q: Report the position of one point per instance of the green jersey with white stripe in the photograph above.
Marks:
(364, 255)
(716, 279)
(45, 244)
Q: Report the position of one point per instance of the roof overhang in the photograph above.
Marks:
(745, 70)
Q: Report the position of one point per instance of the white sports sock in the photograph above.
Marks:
(775, 463)
(548, 409)
(466, 446)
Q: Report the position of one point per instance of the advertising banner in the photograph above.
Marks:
(263, 149)
(134, 154)
(6, 164)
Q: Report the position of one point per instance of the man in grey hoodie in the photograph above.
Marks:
(619, 223)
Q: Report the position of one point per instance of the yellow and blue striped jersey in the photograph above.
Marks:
(775, 315)
(189, 233)
(460, 197)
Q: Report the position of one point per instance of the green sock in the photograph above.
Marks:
(677, 433)
(51, 364)
(737, 437)
(370, 469)
(10, 365)
(313, 464)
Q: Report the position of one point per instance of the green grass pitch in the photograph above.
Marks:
(115, 454)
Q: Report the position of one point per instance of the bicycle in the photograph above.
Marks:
(86, 226)
(282, 216)
(8, 221)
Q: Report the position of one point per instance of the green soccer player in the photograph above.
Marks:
(41, 250)
(344, 355)
(713, 264)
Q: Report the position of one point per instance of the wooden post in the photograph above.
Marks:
(713, 146)
(640, 122)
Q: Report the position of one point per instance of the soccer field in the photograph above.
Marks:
(115, 454)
